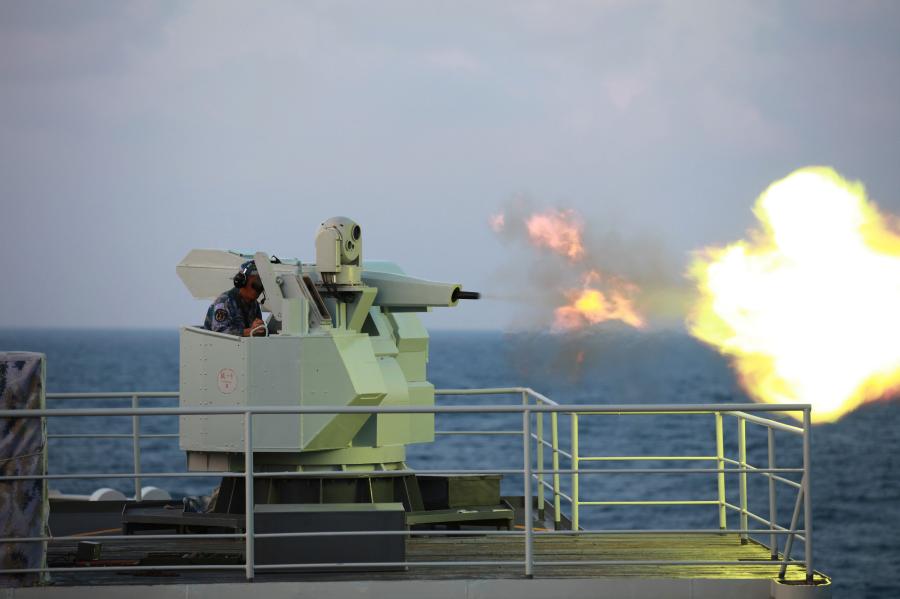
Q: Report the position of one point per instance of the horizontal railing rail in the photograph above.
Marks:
(531, 433)
(477, 409)
(424, 533)
(114, 395)
(375, 474)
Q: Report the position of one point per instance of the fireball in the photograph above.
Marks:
(808, 307)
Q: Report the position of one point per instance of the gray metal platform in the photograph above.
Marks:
(746, 580)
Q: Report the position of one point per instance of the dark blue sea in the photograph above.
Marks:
(856, 468)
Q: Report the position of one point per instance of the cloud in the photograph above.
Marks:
(137, 130)
(453, 59)
(623, 90)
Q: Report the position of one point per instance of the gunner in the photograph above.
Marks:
(236, 311)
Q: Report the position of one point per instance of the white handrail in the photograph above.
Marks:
(542, 404)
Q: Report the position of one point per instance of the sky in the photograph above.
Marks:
(133, 132)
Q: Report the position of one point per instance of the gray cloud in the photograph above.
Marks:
(135, 131)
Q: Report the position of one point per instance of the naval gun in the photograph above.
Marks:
(340, 332)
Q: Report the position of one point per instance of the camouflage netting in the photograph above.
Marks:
(23, 503)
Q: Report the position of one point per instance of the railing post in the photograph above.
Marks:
(773, 513)
(250, 557)
(526, 471)
(720, 464)
(807, 500)
(789, 543)
(540, 463)
(554, 432)
(742, 452)
(136, 447)
(575, 499)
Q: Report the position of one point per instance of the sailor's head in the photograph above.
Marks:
(247, 281)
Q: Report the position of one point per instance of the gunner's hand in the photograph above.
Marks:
(258, 328)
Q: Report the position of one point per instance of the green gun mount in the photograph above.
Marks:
(342, 332)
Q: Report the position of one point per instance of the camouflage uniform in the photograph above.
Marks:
(229, 313)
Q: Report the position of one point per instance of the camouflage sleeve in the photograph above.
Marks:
(226, 317)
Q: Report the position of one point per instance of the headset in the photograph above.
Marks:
(240, 279)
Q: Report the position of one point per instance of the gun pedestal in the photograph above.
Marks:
(342, 332)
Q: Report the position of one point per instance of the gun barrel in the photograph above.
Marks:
(459, 294)
(399, 291)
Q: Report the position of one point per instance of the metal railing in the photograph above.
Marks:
(533, 406)
(742, 416)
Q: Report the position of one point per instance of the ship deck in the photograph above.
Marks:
(586, 547)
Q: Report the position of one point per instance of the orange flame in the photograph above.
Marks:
(592, 306)
(558, 230)
(808, 307)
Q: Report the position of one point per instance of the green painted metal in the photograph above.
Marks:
(557, 515)
(576, 501)
(343, 333)
(720, 477)
(742, 480)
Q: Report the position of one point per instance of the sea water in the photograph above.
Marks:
(855, 463)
